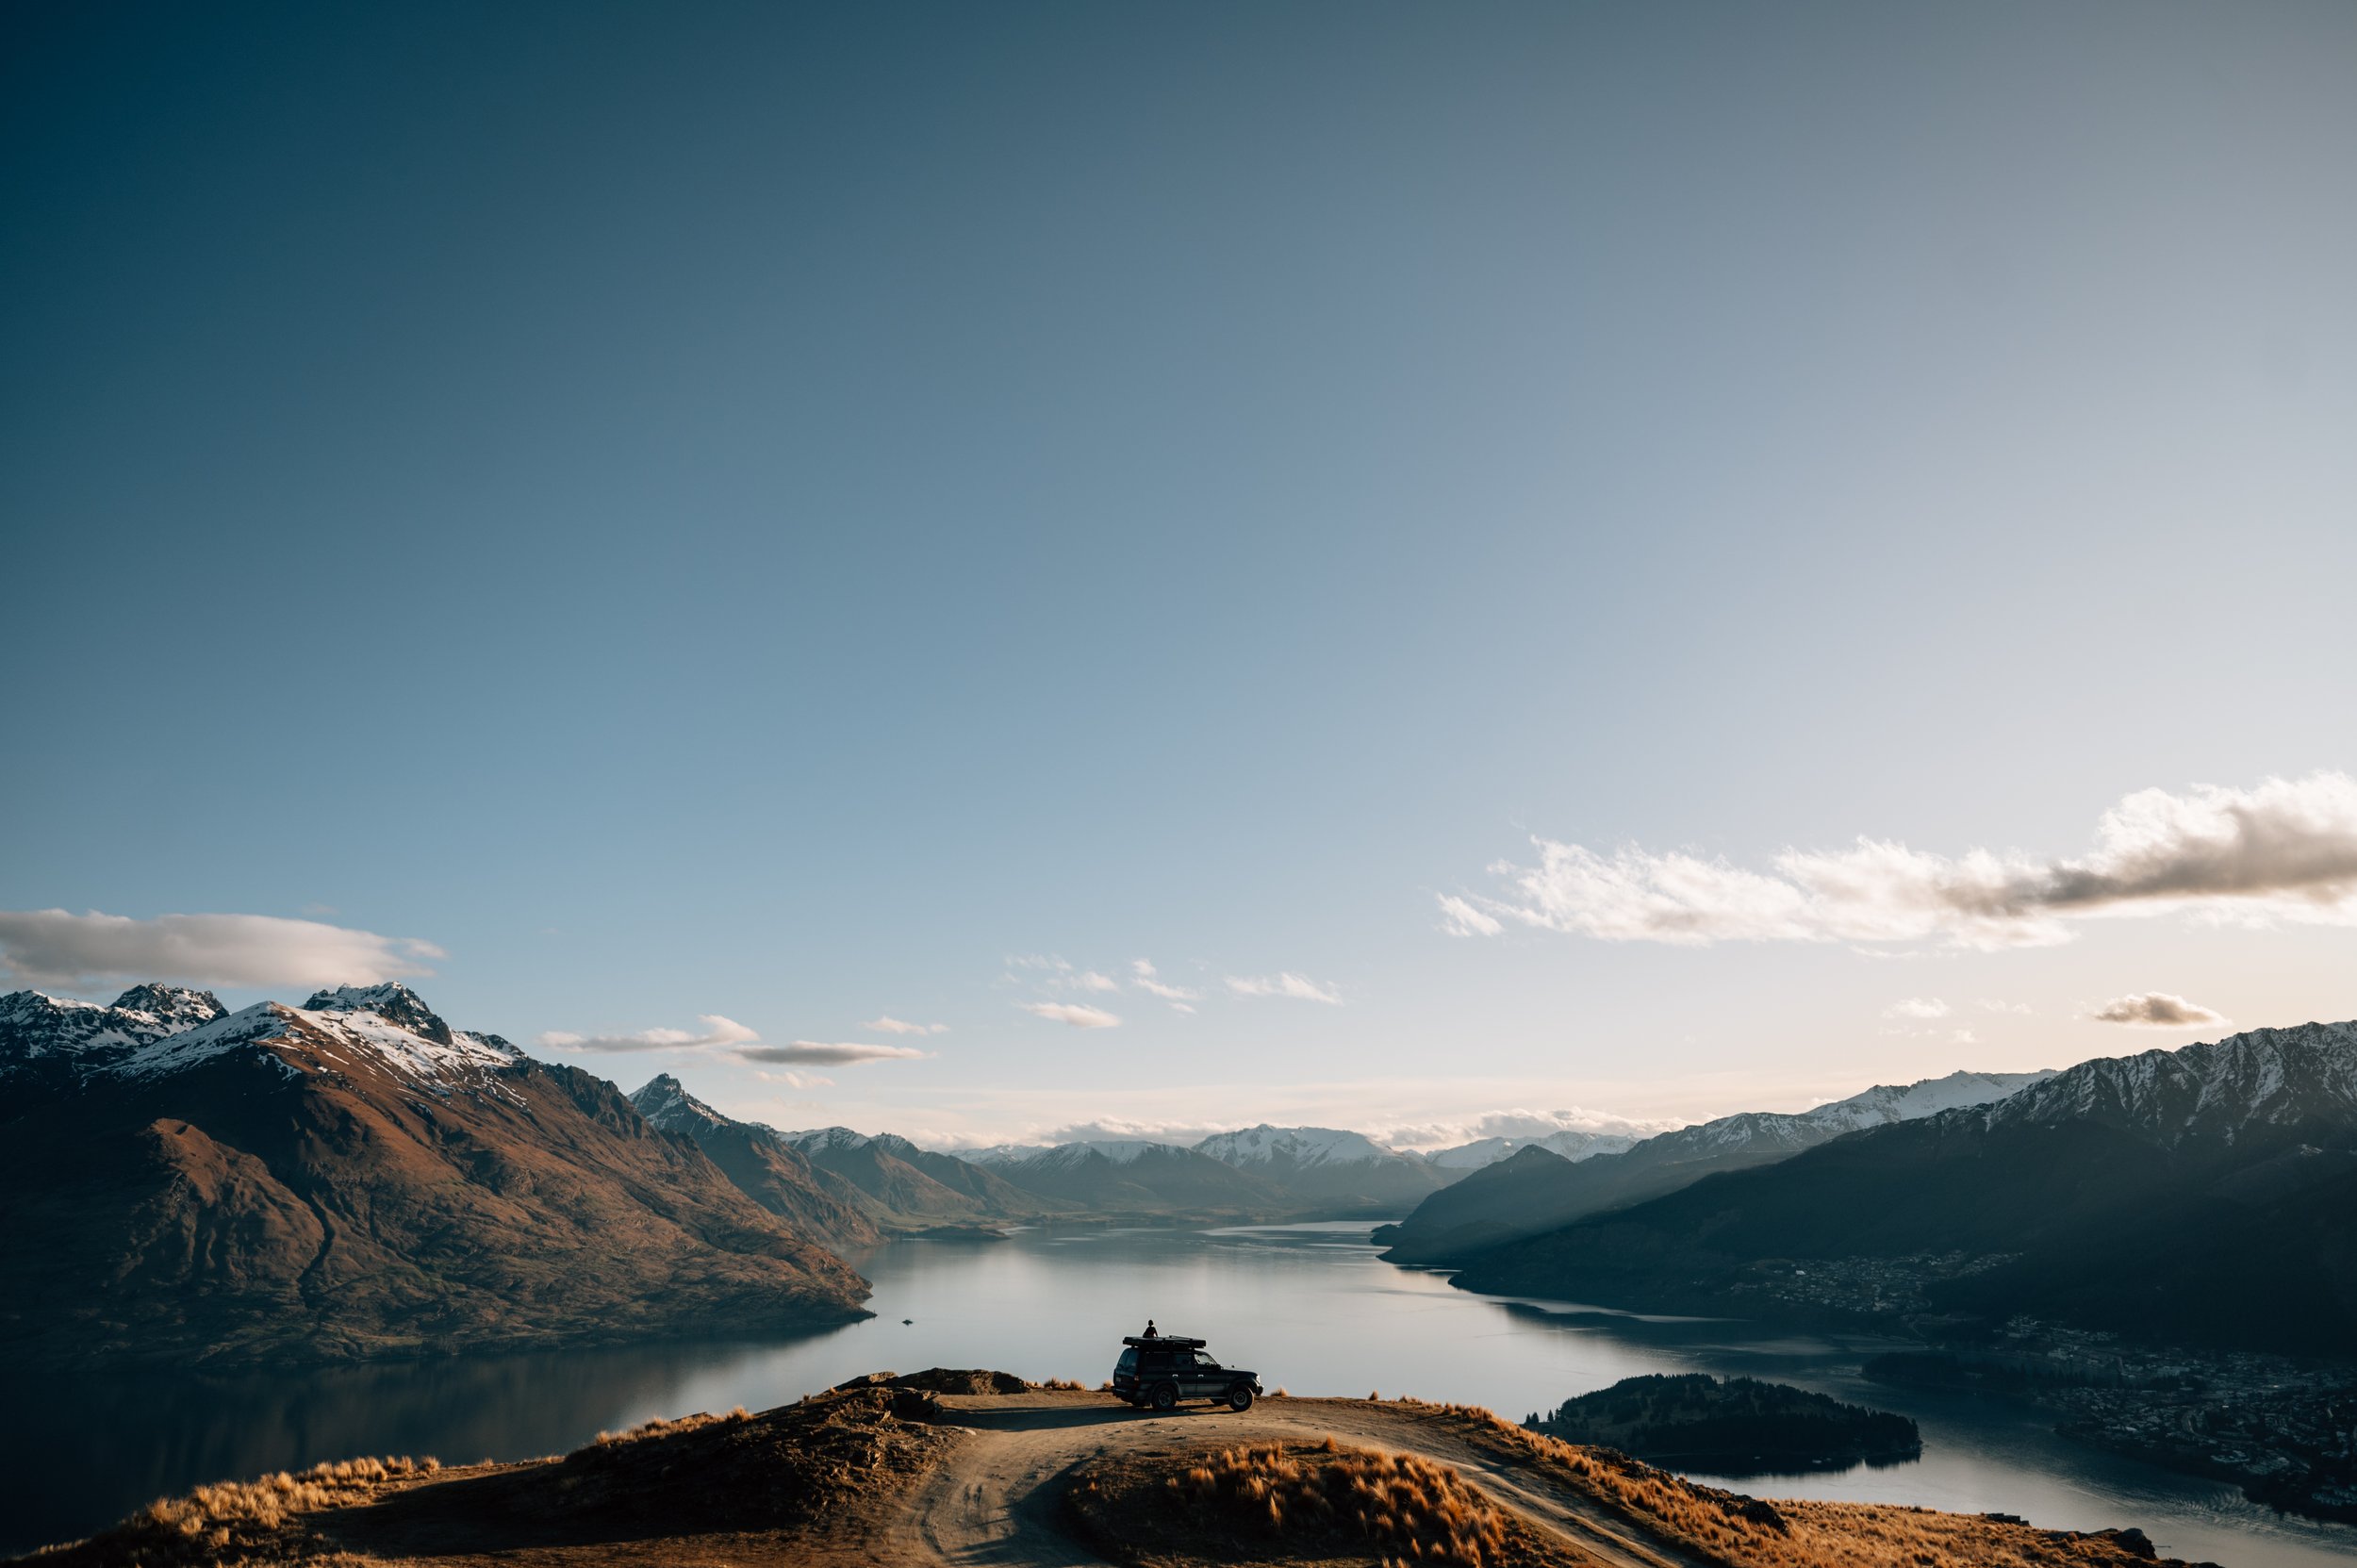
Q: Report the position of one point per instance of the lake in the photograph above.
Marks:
(1311, 1307)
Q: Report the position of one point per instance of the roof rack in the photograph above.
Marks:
(1165, 1342)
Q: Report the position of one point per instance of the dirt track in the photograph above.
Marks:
(995, 1499)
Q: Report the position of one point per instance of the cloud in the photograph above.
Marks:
(1286, 985)
(1515, 1123)
(2156, 1010)
(1079, 1014)
(1965, 1038)
(831, 1053)
(2283, 850)
(1089, 980)
(794, 1081)
(890, 1025)
(716, 1031)
(1917, 1007)
(51, 946)
(1460, 919)
(1144, 977)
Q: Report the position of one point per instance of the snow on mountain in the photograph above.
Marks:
(1000, 1154)
(819, 1139)
(1119, 1152)
(1885, 1104)
(1293, 1146)
(2263, 1078)
(342, 1030)
(93, 1036)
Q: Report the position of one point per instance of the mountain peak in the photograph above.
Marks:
(177, 1006)
(392, 1001)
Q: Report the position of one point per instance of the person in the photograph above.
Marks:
(1151, 1332)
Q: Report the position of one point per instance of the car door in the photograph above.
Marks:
(1198, 1377)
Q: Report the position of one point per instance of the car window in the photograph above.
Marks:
(1128, 1362)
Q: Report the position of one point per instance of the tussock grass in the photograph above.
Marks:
(1067, 1385)
(256, 1522)
(1328, 1502)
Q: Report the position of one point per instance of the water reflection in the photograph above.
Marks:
(1313, 1308)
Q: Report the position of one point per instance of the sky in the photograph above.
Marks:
(989, 571)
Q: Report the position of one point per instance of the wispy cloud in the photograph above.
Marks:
(890, 1025)
(1461, 918)
(1079, 1014)
(52, 946)
(1286, 985)
(1917, 1007)
(716, 1031)
(793, 1079)
(1144, 977)
(2283, 850)
(831, 1053)
(2156, 1010)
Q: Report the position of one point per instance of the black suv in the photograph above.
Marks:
(1164, 1370)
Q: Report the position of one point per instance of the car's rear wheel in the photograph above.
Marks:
(1166, 1396)
(1240, 1397)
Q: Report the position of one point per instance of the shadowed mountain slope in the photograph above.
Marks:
(1534, 1190)
(2206, 1196)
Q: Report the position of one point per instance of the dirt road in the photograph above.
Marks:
(995, 1501)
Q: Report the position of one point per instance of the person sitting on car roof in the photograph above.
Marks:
(1151, 1332)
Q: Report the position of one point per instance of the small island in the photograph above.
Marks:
(1731, 1425)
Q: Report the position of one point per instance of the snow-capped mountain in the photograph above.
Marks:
(2260, 1081)
(58, 1033)
(1534, 1189)
(1329, 1169)
(350, 1178)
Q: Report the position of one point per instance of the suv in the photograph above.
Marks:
(1161, 1371)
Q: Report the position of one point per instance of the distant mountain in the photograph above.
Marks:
(2204, 1195)
(763, 1166)
(1571, 1143)
(1535, 1190)
(913, 1189)
(1323, 1168)
(352, 1177)
(1137, 1177)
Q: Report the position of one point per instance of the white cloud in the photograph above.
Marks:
(1079, 1014)
(890, 1025)
(1089, 980)
(1515, 1123)
(52, 946)
(2156, 1010)
(716, 1031)
(1286, 985)
(794, 1080)
(1965, 1038)
(831, 1053)
(1145, 977)
(1917, 1007)
(2283, 850)
(1461, 918)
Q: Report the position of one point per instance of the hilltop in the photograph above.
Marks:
(902, 1472)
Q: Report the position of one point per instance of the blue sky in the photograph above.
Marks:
(785, 516)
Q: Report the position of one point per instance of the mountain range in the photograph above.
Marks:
(355, 1178)
(1537, 1189)
(2205, 1197)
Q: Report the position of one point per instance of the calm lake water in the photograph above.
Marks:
(1311, 1307)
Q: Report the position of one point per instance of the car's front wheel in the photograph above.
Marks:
(1166, 1396)
(1240, 1397)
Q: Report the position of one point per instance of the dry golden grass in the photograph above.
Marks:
(1746, 1532)
(1269, 1503)
(257, 1522)
(1065, 1385)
